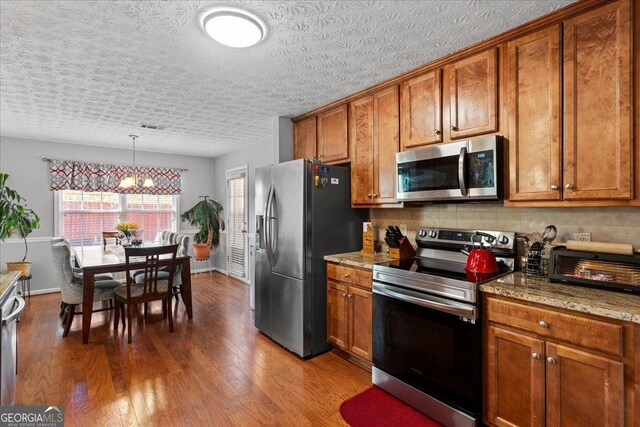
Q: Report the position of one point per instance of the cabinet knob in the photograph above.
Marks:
(454, 127)
(375, 195)
(536, 356)
(369, 195)
(344, 295)
(551, 360)
(554, 187)
(543, 324)
(349, 295)
(436, 131)
(569, 186)
(347, 275)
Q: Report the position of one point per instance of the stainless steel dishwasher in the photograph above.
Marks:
(12, 306)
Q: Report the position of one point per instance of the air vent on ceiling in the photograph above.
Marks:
(153, 127)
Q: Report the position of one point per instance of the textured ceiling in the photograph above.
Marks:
(90, 72)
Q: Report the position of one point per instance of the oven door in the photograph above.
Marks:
(431, 343)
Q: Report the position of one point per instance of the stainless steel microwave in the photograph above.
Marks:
(456, 171)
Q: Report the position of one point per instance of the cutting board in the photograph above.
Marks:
(608, 248)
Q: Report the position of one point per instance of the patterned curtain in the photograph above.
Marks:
(70, 175)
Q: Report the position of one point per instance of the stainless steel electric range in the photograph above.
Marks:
(426, 324)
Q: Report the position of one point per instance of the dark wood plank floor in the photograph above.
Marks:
(214, 370)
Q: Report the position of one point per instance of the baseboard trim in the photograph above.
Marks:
(206, 270)
(45, 291)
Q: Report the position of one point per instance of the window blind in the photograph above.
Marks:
(236, 234)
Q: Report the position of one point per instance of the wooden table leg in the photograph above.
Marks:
(186, 286)
(87, 303)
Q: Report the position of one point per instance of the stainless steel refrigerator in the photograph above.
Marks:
(303, 212)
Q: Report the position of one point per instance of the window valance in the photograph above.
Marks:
(73, 175)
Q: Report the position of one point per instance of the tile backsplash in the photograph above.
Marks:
(615, 225)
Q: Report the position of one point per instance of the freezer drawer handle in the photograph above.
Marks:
(15, 313)
(425, 300)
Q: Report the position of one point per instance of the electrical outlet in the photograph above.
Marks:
(582, 237)
(403, 229)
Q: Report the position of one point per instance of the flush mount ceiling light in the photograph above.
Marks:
(234, 27)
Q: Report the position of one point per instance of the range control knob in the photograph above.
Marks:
(503, 240)
(422, 233)
(432, 234)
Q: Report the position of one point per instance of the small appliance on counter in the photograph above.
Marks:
(595, 269)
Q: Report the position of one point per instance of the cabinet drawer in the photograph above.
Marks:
(350, 275)
(577, 330)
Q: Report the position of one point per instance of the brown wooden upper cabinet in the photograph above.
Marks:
(333, 143)
(374, 133)
(420, 110)
(597, 104)
(534, 93)
(472, 95)
(593, 160)
(304, 138)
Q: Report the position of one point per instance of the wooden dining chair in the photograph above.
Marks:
(110, 235)
(147, 286)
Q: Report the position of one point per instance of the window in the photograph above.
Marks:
(237, 222)
(82, 216)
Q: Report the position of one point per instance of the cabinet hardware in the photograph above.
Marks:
(454, 128)
(569, 186)
(536, 356)
(349, 295)
(436, 131)
(369, 195)
(551, 360)
(543, 324)
(344, 295)
(375, 195)
(554, 187)
(346, 275)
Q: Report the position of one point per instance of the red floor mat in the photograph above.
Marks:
(376, 408)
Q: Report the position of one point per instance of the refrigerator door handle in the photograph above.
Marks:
(267, 226)
(273, 235)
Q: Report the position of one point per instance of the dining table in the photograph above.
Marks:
(110, 259)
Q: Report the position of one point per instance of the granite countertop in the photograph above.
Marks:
(6, 279)
(358, 259)
(616, 305)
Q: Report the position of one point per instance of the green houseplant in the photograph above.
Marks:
(205, 215)
(16, 218)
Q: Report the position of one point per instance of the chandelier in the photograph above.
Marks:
(133, 180)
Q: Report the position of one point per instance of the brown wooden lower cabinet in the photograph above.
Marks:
(349, 310)
(533, 380)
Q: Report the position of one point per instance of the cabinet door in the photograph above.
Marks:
(597, 104)
(420, 114)
(332, 135)
(360, 314)
(337, 314)
(304, 139)
(514, 379)
(534, 90)
(361, 141)
(473, 94)
(386, 119)
(583, 389)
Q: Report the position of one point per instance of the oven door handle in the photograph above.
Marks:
(425, 300)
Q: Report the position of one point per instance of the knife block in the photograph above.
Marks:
(404, 251)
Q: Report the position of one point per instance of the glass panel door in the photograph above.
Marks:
(237, 223)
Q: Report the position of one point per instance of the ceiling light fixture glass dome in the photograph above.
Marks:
(234, 27)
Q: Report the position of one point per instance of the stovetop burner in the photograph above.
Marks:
(442, 268)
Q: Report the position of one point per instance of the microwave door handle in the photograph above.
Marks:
(461, 170)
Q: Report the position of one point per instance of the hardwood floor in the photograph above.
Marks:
(214, 370)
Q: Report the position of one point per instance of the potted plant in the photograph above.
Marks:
(205, 215)
(16, 218)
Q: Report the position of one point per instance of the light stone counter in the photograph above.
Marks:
(357, 259)
(7, 279)
(617, 305)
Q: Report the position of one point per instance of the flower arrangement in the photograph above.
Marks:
(127, 227)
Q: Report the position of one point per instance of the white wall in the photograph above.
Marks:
(22, 160)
